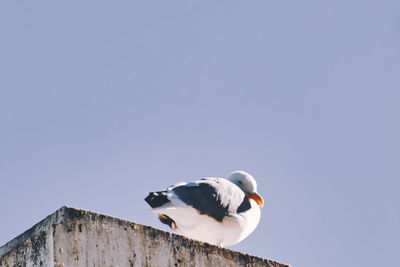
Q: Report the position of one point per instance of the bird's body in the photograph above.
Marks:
(215, 210)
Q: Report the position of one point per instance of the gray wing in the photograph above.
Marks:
(215, 197)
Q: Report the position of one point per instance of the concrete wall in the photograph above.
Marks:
(71, 237)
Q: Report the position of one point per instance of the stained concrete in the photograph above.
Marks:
(72, 237)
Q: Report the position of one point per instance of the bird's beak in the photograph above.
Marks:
(257, 198)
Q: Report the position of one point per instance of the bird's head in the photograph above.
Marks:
(248, 184)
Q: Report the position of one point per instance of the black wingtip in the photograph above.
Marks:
(156, 199)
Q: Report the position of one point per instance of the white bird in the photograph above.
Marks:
(214, 210)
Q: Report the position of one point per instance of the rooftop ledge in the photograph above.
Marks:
(73, 237)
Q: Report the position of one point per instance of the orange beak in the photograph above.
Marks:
(257, 198)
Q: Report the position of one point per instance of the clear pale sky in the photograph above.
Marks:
(103, 101)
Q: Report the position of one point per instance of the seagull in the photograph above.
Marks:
(218, 211)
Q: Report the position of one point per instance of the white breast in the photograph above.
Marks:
(230, 231)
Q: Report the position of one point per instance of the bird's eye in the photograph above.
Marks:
(240, 182)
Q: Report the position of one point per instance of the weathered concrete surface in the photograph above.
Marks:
(71, 237)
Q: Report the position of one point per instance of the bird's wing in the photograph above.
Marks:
(215, 197)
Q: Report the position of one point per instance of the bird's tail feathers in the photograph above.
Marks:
(157, 199)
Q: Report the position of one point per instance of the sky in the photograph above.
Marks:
(104, 101)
